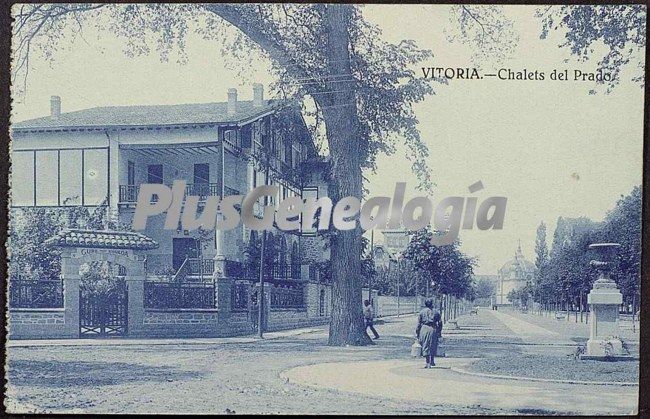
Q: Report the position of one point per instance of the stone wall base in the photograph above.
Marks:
(604, 347)
(40, 324)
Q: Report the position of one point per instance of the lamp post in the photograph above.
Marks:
(260, 314)
(399, 269)
(372, 258)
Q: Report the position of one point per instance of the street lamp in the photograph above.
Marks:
(399, 269)
(372, 258)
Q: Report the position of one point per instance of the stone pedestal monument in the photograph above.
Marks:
(604, 302)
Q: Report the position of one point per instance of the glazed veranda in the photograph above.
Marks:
(298, 214)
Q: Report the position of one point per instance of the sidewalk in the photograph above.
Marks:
(170, 341)
(570, 330)
(529, 332)
(479, 336)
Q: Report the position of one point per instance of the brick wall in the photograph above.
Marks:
(182, 317)
(293, 319)
(36, 323)
(194, 323)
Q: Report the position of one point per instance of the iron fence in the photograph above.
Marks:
(170, 295)
(287, 297)
(239, 296)
(36, 293)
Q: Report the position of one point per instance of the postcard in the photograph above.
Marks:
(368, 209)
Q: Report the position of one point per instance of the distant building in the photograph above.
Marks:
(381, 256)
(396, 241)
(514, 274)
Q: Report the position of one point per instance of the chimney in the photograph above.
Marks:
(232, 101)
(55, 107)
(258, 95)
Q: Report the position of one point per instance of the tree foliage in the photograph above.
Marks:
(447, 270)
(567, 275)
(484, 288)
(31, 227)
(620, 29)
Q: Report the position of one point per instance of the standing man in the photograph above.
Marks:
(369, 316)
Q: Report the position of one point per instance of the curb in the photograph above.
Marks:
(544, 380)
(159, 342)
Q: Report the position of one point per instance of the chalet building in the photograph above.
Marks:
(101, 156)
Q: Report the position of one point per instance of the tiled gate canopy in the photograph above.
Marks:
(107, 239)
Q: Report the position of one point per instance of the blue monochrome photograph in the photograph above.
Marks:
(332, 209)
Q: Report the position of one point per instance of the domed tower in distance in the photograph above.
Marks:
(514, 274)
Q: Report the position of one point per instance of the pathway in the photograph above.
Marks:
(406, 379)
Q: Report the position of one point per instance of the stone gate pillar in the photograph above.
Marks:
(71, 278)
(135, 277)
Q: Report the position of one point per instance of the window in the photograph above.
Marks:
(201, 173)
(59, 177)
(22, 178)
(257, 132)
(47, 177)
(310, 192)
(95, 167)
(70, 177)
(130, 175)
(288, 150)
(246, 136)
(295, 158)
(260, 179)
(155, 173)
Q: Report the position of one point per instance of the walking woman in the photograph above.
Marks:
(428, 331)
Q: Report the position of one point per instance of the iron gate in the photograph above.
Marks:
(104, 314)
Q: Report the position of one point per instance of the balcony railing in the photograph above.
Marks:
(200, 267)
(202, 189)
(286, 271)
(129, 193)
(237, 269)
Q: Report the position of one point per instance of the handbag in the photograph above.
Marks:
(416, 349)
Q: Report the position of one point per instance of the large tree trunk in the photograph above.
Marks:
(338, 106)
(340, 116)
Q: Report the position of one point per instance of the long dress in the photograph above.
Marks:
(429, 326)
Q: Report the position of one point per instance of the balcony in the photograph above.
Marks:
(129, 193)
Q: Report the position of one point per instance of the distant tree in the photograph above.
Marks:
(484, 288)
(520, 296)
(541, 261)
(541, 250)
(623, 225)
(446, 267)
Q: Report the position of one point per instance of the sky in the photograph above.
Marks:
(550, 147)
